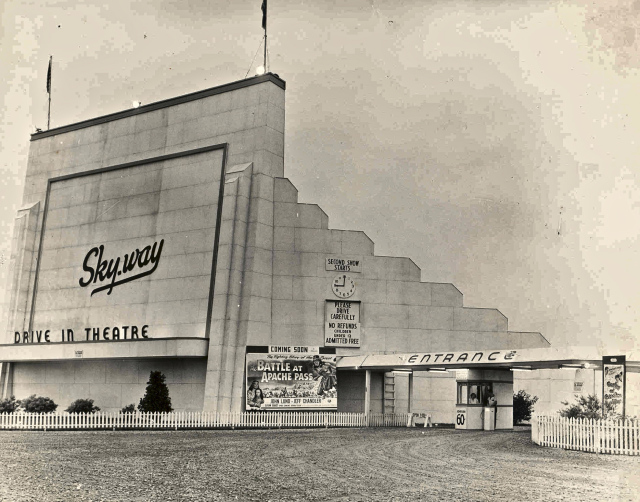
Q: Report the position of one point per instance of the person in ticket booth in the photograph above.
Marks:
(491, 398)
(493, 403)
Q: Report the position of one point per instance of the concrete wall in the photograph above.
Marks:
(351, 385)
(554, 386)
(398, 312)
(272, 289)
(112, 384)
(271, 286)
(249, 119)
(435, 394)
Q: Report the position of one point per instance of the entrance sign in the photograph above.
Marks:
(464, 358)
(519, 359)
(342, 324)
(613, 385)
(286, 381)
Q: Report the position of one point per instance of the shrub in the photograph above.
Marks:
(82, 406)
(584, 407)
(156, 397)
(523, 406)
(9, 405)
(130, 408)
(33, 404)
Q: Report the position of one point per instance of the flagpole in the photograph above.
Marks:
(265, 37)
(49, 92)
(49, 113)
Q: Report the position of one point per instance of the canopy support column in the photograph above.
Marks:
(410, 392)
(367, 395)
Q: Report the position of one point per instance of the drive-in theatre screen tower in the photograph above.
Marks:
(167, 238)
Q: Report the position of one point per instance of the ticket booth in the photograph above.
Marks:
(484, 399)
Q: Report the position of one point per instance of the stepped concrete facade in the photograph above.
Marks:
(175, 218)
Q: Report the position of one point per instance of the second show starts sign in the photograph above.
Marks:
(342, 324)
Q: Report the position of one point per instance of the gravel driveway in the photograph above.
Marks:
(306, 465)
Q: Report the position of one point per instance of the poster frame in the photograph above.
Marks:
(618, 361)
(266, 352)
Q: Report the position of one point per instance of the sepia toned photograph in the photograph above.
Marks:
(275, 250)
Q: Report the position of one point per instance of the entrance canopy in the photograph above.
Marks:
(518, 359)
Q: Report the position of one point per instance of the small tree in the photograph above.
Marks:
(9, 405)
(156, 397)
(584, 407)
(33, 404)
(130, 408)
(82, 406)
(523, 406)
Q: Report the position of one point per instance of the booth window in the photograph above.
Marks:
(462, 393)
(474, 393)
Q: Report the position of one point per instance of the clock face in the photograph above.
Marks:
(343, 286)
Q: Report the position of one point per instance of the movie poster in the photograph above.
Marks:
(291, 378)
(613, 392)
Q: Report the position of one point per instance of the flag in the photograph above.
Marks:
(49, 75)
(264, 14)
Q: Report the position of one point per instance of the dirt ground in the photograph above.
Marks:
(306, 465)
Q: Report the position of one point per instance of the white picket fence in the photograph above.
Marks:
(197, 420)
(620, 437)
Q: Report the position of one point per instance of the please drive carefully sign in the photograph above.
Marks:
(342, 324)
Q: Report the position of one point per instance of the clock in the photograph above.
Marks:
(343, 286)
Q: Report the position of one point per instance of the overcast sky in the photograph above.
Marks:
(493, 142)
